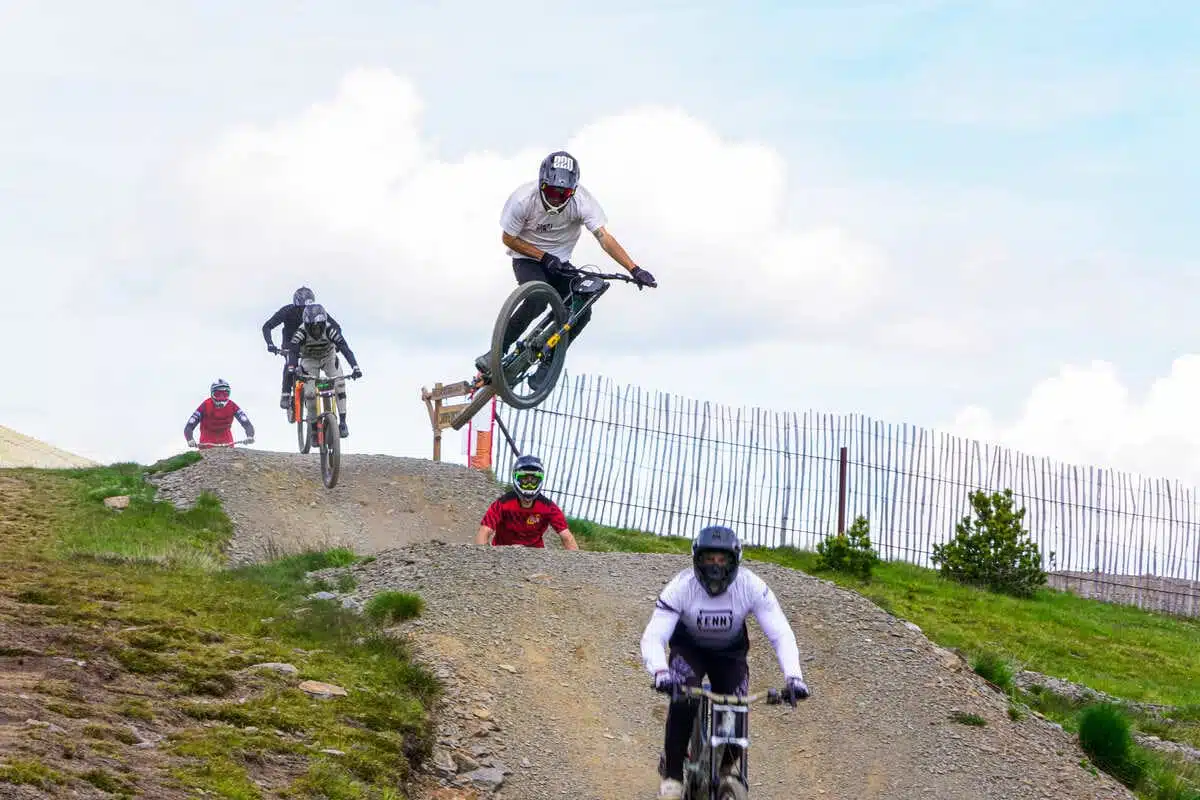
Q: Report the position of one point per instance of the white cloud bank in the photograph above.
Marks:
(351, 192)
(1087, 415)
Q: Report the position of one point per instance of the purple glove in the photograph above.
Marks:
(667, 682)
(795, 690)
(643, 278)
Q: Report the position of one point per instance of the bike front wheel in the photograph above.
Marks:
(543, 348)
(331, 452)
(732, 789)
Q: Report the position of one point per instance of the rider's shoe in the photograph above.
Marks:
(483, 364)
(670, 789)
(343, 430)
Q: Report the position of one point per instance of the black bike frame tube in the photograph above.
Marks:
(507, 436)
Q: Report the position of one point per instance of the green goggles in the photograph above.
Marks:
(528, 480)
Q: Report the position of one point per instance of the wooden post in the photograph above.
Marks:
(841, 490)
(440, 415)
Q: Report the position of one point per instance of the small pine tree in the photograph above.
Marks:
(993, 551)
(849, 552)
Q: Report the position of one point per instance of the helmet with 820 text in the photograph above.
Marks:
(558, 178)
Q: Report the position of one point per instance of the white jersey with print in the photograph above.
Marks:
(526, 218)
(685, 611)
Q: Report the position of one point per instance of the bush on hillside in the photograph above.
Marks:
(993, 551)
(849, 552)
(1104, 734)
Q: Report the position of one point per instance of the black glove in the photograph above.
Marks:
(551, 263)
(643, 278)
(272, 349)
(356, 373)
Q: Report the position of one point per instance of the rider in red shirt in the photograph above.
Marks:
(522, 516)
(215, 417)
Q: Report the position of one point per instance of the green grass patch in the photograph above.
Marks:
(394, 606)
(995, 668)
(150, 600)
(1101, 645)
(29, 772)
(173, 463)
(964, 718)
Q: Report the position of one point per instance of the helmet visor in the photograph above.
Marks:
(220, 394)
(556, 195)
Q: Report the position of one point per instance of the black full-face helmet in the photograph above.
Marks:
(716, 574)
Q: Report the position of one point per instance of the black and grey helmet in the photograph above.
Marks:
(716, 578)
(558, 178)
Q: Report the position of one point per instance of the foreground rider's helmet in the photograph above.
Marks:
(303, 296)
(315, 319)
(716, 578)
(219, 392)
(527, 476)
(558, 178)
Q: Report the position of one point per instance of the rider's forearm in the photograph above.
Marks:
(521, 246)
(568, 539)
(618, 254)
(484, 536)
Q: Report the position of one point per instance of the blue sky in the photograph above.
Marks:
(1025, 170)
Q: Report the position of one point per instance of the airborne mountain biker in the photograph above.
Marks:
(315, 346)
(522, 515)
(289, 317)
(215, 417)
(701, 613)
(541, 223)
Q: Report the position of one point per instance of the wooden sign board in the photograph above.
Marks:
(447, 413)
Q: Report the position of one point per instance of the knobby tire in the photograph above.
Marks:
(534, 291)
(331, 453)
(482, 396)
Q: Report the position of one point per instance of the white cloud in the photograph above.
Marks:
(351, 193)
(1086, 414)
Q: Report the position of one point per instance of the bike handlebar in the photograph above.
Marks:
(308, 376)
(574, 270)
(206, 445)
(772, 696)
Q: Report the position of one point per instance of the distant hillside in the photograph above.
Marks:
(19, 450)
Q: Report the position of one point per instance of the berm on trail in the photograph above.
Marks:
(547, 697)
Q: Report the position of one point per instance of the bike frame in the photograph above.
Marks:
(325, 403)
(722, 720)
(593, 286)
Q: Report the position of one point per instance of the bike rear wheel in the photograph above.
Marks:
(529, 350)
(331, 452)
(482, 397)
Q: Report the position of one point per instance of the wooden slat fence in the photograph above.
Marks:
(633, 458)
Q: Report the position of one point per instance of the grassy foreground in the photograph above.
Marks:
(168, 700)
(1121, 650)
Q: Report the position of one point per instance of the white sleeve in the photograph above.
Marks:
(590, 212)
(512, 217)
(655, 637)
(662, 623)
(778, 631)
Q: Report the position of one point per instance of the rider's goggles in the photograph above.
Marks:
(529, 480)
(556, 195)
(221, 394)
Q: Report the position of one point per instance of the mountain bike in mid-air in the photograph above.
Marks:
(544, 345)
(324, 422)
(722, 721)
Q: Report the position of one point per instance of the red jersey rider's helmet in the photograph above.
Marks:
(558, 178)
(219, 392)
(528, 475)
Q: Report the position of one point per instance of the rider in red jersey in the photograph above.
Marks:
(522, 515)
(215, 417)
